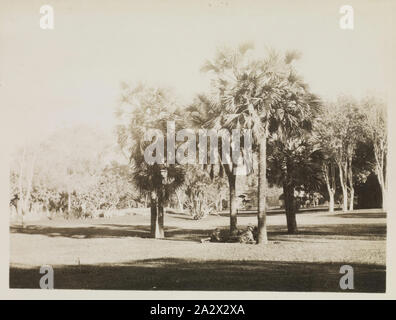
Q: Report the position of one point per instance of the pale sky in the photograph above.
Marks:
(72, 74)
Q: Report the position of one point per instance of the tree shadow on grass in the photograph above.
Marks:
(182, 274)
(364, 215)
(277, 233)
(110, 231)
(85, 232)
(336, 231)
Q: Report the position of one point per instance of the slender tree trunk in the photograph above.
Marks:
(383, 191)
(331, 201)
(350, 180)
(262, 185)
(232, 193)
(382, 182)
(344, 199)
(179, 202)
(161, 231)
(342, 175)
(290, 208)
(29, 183)
(157, 217)
(384, 179)
(330, 183)
(380, 168)
(233, 203)
(154, 220)
(351, 200)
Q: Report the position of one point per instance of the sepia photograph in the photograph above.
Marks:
(200, 146)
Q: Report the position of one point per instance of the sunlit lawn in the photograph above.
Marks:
(117, 253)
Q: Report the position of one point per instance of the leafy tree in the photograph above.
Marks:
(22, 175)
(77, 157)
(323, 134)
(72, 173)
(375, 126)
(340, 129)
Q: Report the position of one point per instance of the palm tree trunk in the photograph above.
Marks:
(161, 232)
(290, 208)
(233, 203)
(262, 185)
(157, 218)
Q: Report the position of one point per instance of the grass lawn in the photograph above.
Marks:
(117, 253)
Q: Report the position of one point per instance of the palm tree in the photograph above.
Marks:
(291, 126)
(260, 95)
(294, 164)
(206, 112)
(144, 108)
(160, 182)
(250, 91)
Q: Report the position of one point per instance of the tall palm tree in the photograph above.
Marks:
(250, 90)
(258, 94)
(295, 113)
(206, 112)
(295, 163)
(144, 108)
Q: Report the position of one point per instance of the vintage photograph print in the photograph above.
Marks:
(214, 145)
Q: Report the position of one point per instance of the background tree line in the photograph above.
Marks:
(300, 143)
